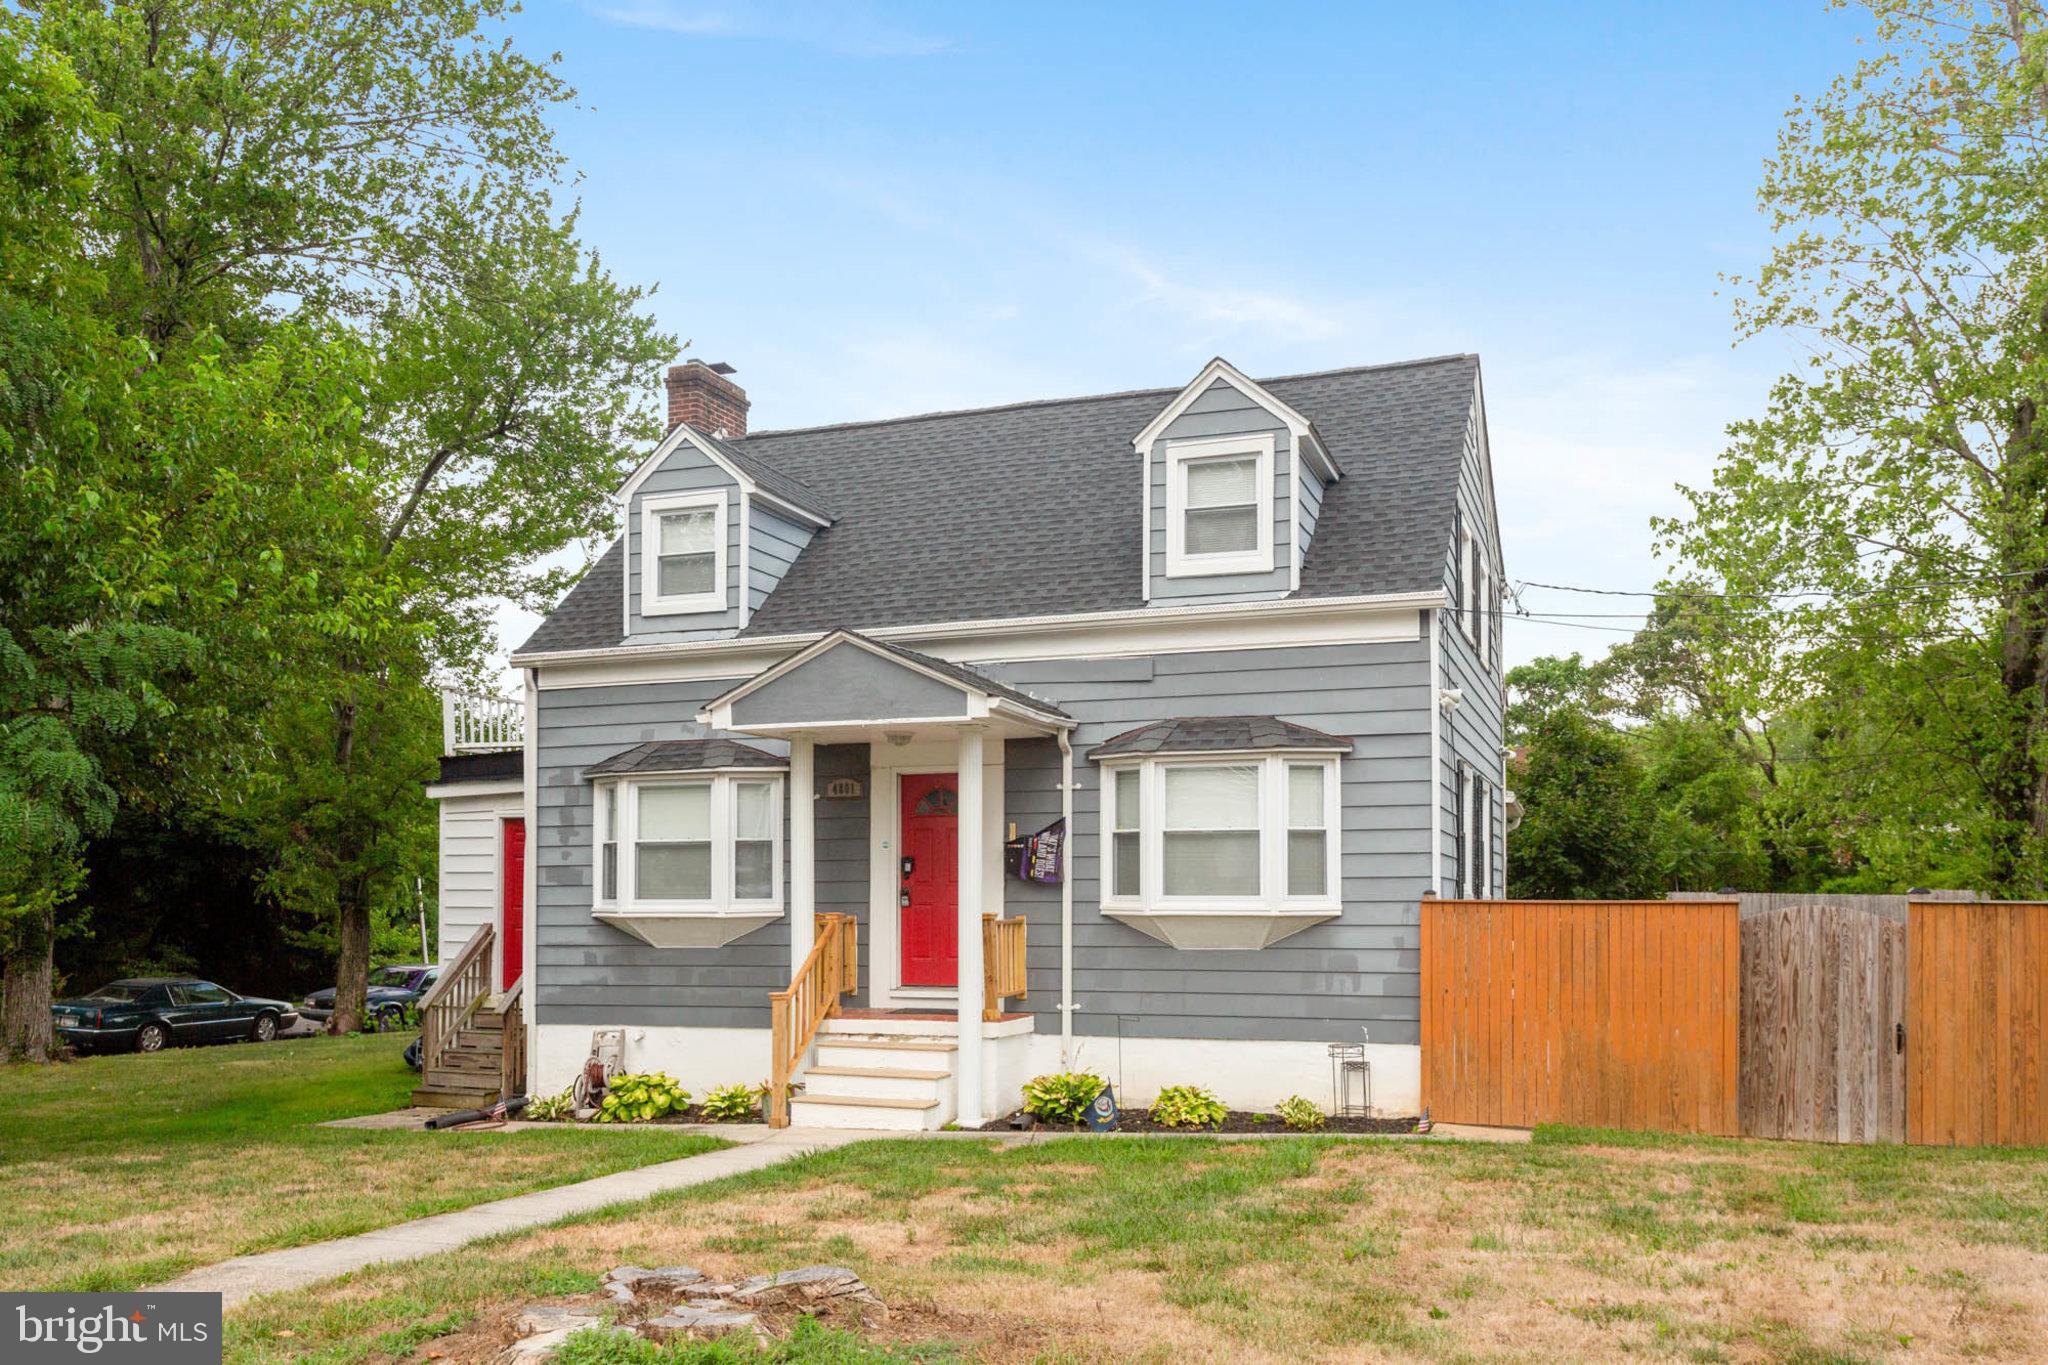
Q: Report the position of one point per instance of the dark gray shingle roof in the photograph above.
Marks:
(1033, 509)
(1218, 734)
(770, 479)
(684, 756)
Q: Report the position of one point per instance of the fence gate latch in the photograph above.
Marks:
(1898, 1037)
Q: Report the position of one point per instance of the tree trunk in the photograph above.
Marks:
(352, 971)
(351, 896)
(25, 1030)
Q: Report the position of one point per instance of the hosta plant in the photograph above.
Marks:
(1188, 1106)
(730, 1103)
(551, 1108)
(1063, 1096)
(1302, 1115)
(642, 1098)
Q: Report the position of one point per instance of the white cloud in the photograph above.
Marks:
(849, 29)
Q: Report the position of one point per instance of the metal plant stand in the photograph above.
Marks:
(1350, 1081)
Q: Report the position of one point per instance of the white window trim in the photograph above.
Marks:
(1483, 615)
(1179, 454)
(1222, 922)
(652, 603)
(1468, 585)
(672, 923)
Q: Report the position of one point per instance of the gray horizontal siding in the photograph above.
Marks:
(773, 544)
(1474, 733)
(1222, 410)
(1321, 984)
(590, 972)
(686, 470)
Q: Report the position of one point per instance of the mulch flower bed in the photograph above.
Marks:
(1240, 1121)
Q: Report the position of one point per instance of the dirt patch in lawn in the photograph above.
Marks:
(1557, 1249)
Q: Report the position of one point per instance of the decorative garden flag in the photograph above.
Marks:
(1040, 857)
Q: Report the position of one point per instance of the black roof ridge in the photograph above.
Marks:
(1026, 403)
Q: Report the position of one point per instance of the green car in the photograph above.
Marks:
(149, 1013)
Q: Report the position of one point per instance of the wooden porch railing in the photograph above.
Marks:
(453, 999)
(832, 970)
(1002, 963)
(512, 1061)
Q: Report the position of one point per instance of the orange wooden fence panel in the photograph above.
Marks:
(1619, 1014)
(1976, 1009)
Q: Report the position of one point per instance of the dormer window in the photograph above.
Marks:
(1219, 506)
(683, 541)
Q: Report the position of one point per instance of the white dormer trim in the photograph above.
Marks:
(1298, 426)
(652, 602)
(684, 433)
(1179, 455)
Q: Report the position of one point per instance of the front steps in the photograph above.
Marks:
(468, 1074)
(879, 1073)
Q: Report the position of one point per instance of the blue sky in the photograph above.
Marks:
(875, 209)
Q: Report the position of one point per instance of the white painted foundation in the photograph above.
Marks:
(1244, 1075)
(701, 1058)
(1253, 1075)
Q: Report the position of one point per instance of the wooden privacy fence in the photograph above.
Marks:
(1823, 1014)
(1976, 1009)
(1612, 1013)
(1852, 1019)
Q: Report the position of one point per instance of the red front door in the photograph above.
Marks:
(929, 922)
(512, 902)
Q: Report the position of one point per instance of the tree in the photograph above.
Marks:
(1880, 534)
(378, 176)
(1586, 832)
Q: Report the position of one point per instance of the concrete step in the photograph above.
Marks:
(910, 1054)
(878, 1082)
(831, 1111)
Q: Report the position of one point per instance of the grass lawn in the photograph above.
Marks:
(121, 1171)
(1577, 1246)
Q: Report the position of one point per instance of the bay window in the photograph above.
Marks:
(1221, 851)
(702, 856)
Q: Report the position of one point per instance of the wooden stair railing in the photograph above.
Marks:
(1002, 963)
(794, 1014)
(452, 1001)
(512, 1061)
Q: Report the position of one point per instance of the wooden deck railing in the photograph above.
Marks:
(453, 999)
(1002, 963)
(832, 970)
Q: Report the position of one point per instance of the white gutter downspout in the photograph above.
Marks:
(1067, 906)
(1436, 754)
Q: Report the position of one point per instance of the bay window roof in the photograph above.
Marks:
(1220, 735)
(684, 756)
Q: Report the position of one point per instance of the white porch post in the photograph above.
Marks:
(970, 778)
(803, 861)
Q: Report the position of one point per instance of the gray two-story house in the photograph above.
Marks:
(1121, 733)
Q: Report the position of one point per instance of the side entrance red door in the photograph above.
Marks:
(929, 920)
(512, 902)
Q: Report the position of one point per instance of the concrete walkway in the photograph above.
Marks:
(238, 1280)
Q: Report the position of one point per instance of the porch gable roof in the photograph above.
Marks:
(877, 683)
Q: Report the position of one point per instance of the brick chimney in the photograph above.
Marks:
(706, 398)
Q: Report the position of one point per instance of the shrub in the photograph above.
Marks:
(1302, 1115)
(1188, 1106)
(641, 1098)
(1062, 1097)
(731, 1103)
(551, 1108)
